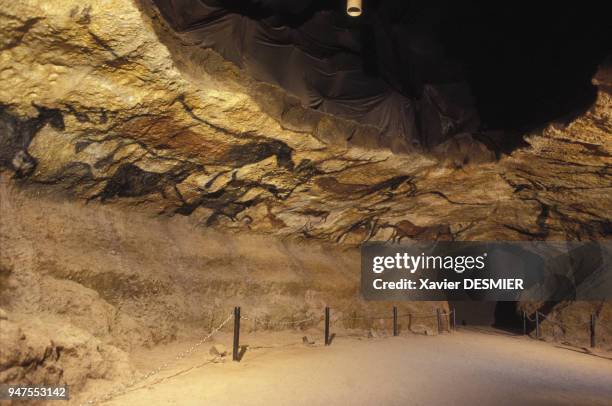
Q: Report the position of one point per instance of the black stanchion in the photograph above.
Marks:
(454, 318)
(537, 324)
(524, 322)
(593, 343)
(327, 326)
(236, 349)
(439, 321)
(394, 321)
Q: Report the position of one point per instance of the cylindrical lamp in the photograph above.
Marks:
(353, 8)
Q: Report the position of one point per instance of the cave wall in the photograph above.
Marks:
(94, 104)
(99, 112)
(84, 286)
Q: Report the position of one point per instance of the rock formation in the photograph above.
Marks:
(94, 103)
(102, 110)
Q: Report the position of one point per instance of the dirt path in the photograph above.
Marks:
(464, 368)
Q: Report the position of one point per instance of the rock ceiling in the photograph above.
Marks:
(102, 104)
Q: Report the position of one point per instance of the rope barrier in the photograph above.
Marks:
(545, 317)
(154, 372)
(582, 323)
(337, 319)
(183, 354)
(364, 318)
(590, 326)
(124, 388)
(420, 315)
(279, 323)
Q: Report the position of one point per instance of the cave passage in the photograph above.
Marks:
(501, 315)
(506, 317)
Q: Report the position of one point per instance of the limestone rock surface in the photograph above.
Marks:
(101, 112)
(97, 102)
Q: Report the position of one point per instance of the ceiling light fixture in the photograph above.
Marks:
(353, 8)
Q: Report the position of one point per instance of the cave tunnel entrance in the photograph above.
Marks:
(506, 317)
(501, 315)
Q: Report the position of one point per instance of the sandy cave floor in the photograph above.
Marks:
(468, 367)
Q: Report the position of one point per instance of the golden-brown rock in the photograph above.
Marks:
(95, 102)
(100, 105)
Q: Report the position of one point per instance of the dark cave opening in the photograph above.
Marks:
(502, 315)
(507, 317)
(525, 64)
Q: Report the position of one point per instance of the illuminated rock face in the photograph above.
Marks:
(94, 102)
(100, 104)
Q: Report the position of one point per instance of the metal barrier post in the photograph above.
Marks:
(439, 321)
(593, 343)
(537, 324)
(326, 325)
(524, 322)
(394, 321)
(236, 349)
(454, 318)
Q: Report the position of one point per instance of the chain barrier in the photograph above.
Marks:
(124, 388)
(590, 326)
(561, 324)
(422, 315)
(269, 323)
(337, 319)
(366, 318)
(545, 317)
(363, 318)
(413, 315)
(154, 372)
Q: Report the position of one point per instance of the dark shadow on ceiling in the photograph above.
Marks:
(525, 63)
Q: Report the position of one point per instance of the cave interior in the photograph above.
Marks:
(497, 70)
(516, 67)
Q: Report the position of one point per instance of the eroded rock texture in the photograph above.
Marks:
(94, 102)
(100, 105)
(82, 287)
